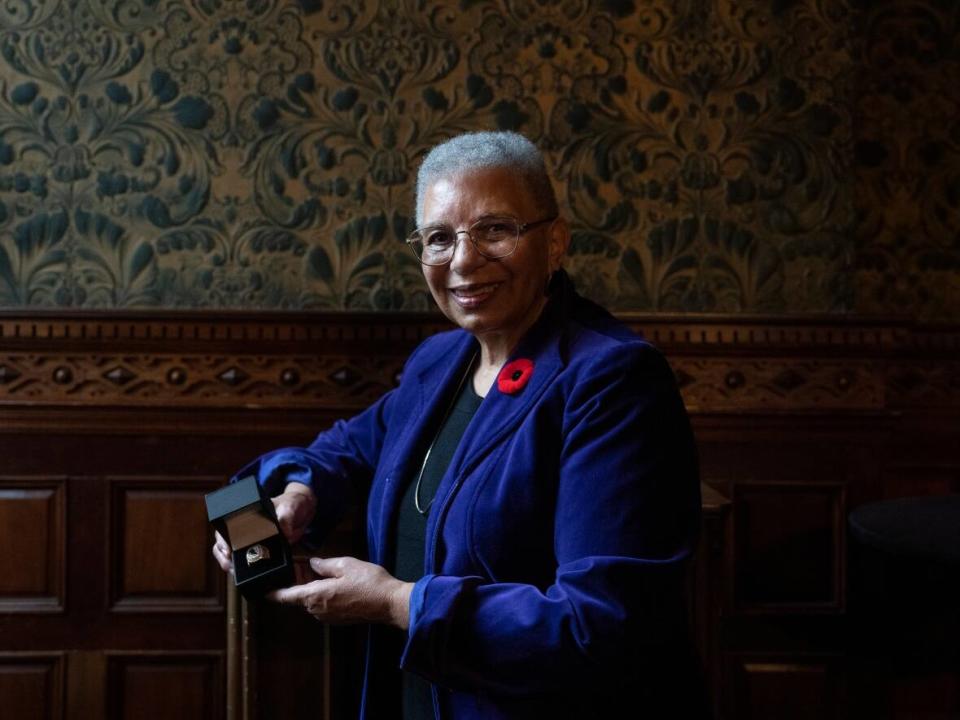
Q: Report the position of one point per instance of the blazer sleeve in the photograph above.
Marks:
(337, 465)
(626, 518)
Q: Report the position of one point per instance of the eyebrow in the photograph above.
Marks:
(475, 220)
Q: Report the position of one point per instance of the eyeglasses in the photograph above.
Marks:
(494, 237)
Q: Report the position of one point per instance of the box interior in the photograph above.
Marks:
(248, 526)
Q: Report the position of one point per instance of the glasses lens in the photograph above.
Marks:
(496, 237)
(433, 245)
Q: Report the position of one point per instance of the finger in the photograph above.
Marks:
(223, 560)
(286, 519)
(328, 567)
(295, 594)
(220, 541)
(282, 509)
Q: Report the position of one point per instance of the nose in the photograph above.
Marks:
(466, 257)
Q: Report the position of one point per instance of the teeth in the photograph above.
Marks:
(474, 291)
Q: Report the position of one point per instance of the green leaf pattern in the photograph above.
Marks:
(262, 154)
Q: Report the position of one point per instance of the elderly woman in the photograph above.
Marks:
(531, 484)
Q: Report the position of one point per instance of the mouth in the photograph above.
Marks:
(474, 294)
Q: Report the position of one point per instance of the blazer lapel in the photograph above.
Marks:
(436, 380)
(499, 413)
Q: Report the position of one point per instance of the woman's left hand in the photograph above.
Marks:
(350, 591)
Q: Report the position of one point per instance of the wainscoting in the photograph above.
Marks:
(113, 426)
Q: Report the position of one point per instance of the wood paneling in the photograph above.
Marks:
(905, 480)
(31, 686)
(33, 537)
(113, 426)
(86, 685)
(789, 550)
(925, 696)
(785, 689)
(161, 545)
(160, 686)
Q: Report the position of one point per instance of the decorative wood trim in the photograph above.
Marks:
(344, 361)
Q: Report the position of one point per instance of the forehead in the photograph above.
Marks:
(467, 195)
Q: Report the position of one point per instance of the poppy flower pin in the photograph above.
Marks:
(514, 376)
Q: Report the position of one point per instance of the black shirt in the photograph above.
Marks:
(411, 527)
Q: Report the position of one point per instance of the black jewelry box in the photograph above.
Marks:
(245, 516)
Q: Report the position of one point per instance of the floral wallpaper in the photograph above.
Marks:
(712, 155)
(907, 155)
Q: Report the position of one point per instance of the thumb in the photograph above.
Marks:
(325, 567)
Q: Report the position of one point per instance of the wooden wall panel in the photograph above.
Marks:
(33, 538)
(160, 686)
(925, 695)
(786, 689)
(31, 686)
(161, 544)
(910, 479)
(113, 426)
(789, 546)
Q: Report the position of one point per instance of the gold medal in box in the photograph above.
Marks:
(245, 516)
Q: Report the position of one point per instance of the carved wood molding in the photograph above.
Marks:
(205, 380)
(337, 361)
(717, 384)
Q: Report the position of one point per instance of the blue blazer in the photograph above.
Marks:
(554, 578)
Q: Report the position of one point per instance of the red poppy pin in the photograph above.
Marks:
(514, 376)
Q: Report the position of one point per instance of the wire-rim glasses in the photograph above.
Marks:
(494, 237)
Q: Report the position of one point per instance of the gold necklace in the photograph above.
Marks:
(456, 394)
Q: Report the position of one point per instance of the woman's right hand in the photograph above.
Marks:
(295, 508)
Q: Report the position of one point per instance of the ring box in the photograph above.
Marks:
(245, 516)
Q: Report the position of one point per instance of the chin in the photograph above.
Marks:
(471, 322)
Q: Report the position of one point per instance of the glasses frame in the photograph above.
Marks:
(521, 229)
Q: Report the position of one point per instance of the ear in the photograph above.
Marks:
(558, 240)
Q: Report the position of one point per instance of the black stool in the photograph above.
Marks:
(904, 600)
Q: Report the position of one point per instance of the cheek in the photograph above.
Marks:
(436, 281)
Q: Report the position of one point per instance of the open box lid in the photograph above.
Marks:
(242, 513)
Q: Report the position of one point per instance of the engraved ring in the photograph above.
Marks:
(256, 553)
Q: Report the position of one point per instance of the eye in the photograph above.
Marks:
(437, 238)
(496, 228)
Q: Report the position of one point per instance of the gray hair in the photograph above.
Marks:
(484, 150)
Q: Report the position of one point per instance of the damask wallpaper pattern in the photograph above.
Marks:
(712, 155)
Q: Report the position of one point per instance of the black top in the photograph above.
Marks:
(411, 527)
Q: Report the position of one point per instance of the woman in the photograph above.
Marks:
(531, 484)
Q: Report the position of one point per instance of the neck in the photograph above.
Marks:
(495, 349)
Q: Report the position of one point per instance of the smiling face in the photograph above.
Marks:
(495, 300)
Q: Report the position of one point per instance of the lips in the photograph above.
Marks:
(472, 295)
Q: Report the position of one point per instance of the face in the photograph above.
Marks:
(492, 298)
